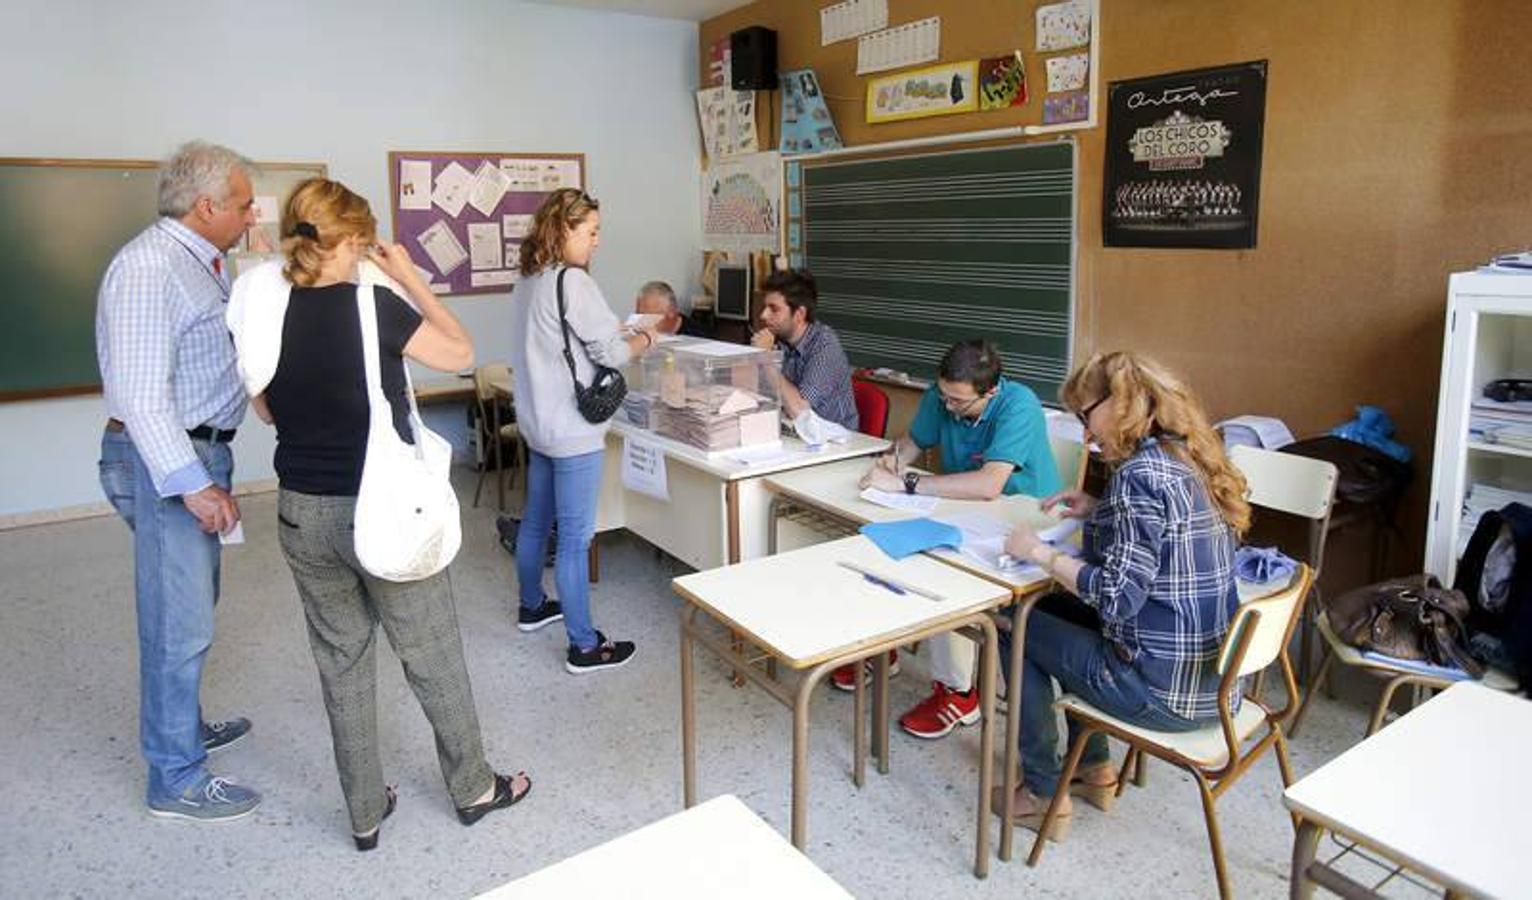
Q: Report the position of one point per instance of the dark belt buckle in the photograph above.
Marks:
(209, 433)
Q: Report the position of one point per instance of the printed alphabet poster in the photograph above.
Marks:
(1183, 158)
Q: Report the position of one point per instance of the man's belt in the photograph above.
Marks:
(200, 433)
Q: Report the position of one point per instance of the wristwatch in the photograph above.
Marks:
(910, 480)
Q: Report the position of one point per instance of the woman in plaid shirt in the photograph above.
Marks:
(1150, 598)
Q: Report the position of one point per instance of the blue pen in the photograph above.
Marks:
(884, 584)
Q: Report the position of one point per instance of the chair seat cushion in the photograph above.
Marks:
(1204, 746)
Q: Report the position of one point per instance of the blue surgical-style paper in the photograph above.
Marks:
(910, 536)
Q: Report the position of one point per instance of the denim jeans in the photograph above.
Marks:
(566, 489)
(1086, 666)
(175, 583)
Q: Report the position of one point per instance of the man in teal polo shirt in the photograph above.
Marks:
(993, 440)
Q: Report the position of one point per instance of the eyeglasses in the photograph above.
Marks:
(956, 406)
(1084, 414)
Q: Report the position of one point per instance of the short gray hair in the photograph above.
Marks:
(197, 169)
(664, 290)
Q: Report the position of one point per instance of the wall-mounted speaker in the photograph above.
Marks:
(753, 59)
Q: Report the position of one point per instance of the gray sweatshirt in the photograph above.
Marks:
(545, 399)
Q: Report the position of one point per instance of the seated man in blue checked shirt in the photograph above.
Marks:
(815, 373)
(993, 441)
(174, 398)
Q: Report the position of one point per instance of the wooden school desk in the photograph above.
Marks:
(1444, 791)
(716, 849)
(833, 491)
(811, 613)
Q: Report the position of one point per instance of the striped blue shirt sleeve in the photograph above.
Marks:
(140, 323)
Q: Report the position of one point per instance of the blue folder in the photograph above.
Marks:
(908, 536)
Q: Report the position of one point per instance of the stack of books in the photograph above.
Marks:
(1497, 422)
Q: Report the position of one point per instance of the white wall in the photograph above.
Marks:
(343, 82)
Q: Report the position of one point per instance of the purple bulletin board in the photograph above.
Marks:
(464, 230)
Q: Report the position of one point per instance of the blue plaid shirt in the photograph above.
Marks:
(1160, 569)
(818, 368)
(167, 361)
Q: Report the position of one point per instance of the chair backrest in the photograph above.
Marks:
(1071, 458)
(1296, 485)
(1266, 623)
(871, 408)
(485, 376)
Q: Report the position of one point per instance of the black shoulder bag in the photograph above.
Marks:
(600, 400)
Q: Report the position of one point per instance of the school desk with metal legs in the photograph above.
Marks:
(1444, 791)
(810, 610)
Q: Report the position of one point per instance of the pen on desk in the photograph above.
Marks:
(893, 584)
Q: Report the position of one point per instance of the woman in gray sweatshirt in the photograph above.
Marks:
(564, 475)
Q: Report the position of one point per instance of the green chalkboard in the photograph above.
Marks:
(61, 222)
(912, 253)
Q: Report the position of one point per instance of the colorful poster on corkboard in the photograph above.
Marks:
(806, 125)
(933, 91)
(462, 215)
(1002, 82)
(742, 203)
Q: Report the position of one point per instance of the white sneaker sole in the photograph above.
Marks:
(529, 627)
(573, 669)
(172, 814)
(227, 745)
(866, 680)
(970, 719)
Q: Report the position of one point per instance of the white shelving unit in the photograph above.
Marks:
(1488, 336)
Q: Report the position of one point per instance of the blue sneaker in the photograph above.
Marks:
(218, 735)
(211, 800)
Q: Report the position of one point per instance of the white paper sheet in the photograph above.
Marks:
(414, 184)
(489, 187)
(492, 279)
(443, 247)
(643, 320)
(513, 255)
(1067, 73)
(516, 225)
(484, 245)
(452, 187)
(850, 19)
(721, 348)
(900, 46)
(560, 173)
(917, 502)
(236, 535)
(737, 401)
(1258, 431)
(643, 468)
(1062, 25)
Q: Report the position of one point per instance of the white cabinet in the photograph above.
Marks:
(1483, 449)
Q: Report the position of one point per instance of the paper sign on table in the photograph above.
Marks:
(643, 468)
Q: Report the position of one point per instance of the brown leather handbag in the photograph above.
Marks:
(1406, 618)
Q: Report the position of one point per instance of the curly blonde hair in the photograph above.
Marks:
(1149, 401)
(561, 213)
(319, 216)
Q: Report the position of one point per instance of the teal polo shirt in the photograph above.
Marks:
(1011, 429)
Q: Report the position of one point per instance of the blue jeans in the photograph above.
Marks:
(1086, 666)
(175, 582)
(565, 488)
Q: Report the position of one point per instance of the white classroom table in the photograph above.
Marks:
(833, 491)
(1444, 791)
(716, 849)
(806, 610)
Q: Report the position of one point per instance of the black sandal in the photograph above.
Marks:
(370, 842)
(505, 795)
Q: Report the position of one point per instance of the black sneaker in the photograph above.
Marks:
(218, 735)
(606, 655)
(533, 619)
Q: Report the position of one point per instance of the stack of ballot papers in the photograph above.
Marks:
(717, 417)
(984, 539)
(638, 408)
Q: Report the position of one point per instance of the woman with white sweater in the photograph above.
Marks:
(564, 475)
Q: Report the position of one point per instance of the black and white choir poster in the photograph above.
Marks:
(1183, 158)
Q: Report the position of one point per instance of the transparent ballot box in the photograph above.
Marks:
(710, 395)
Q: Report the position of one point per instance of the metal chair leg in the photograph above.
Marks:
(1059, 793)
(1325, 661)
(1220, 870)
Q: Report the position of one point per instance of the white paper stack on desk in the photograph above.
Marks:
(718, 417)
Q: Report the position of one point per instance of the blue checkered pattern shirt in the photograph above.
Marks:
(818, 368)
(167, 361)
(1160, 569)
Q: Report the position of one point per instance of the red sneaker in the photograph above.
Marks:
(941, 712)
(843, 676)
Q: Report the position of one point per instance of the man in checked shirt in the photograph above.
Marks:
(174, 398)
(815, 373)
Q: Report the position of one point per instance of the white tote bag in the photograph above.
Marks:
(407, 525)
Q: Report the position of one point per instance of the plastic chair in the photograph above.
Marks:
(1212, 755)
(484, 395)
(1297, 486)
(871, 408)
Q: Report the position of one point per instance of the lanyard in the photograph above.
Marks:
(223, 288)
